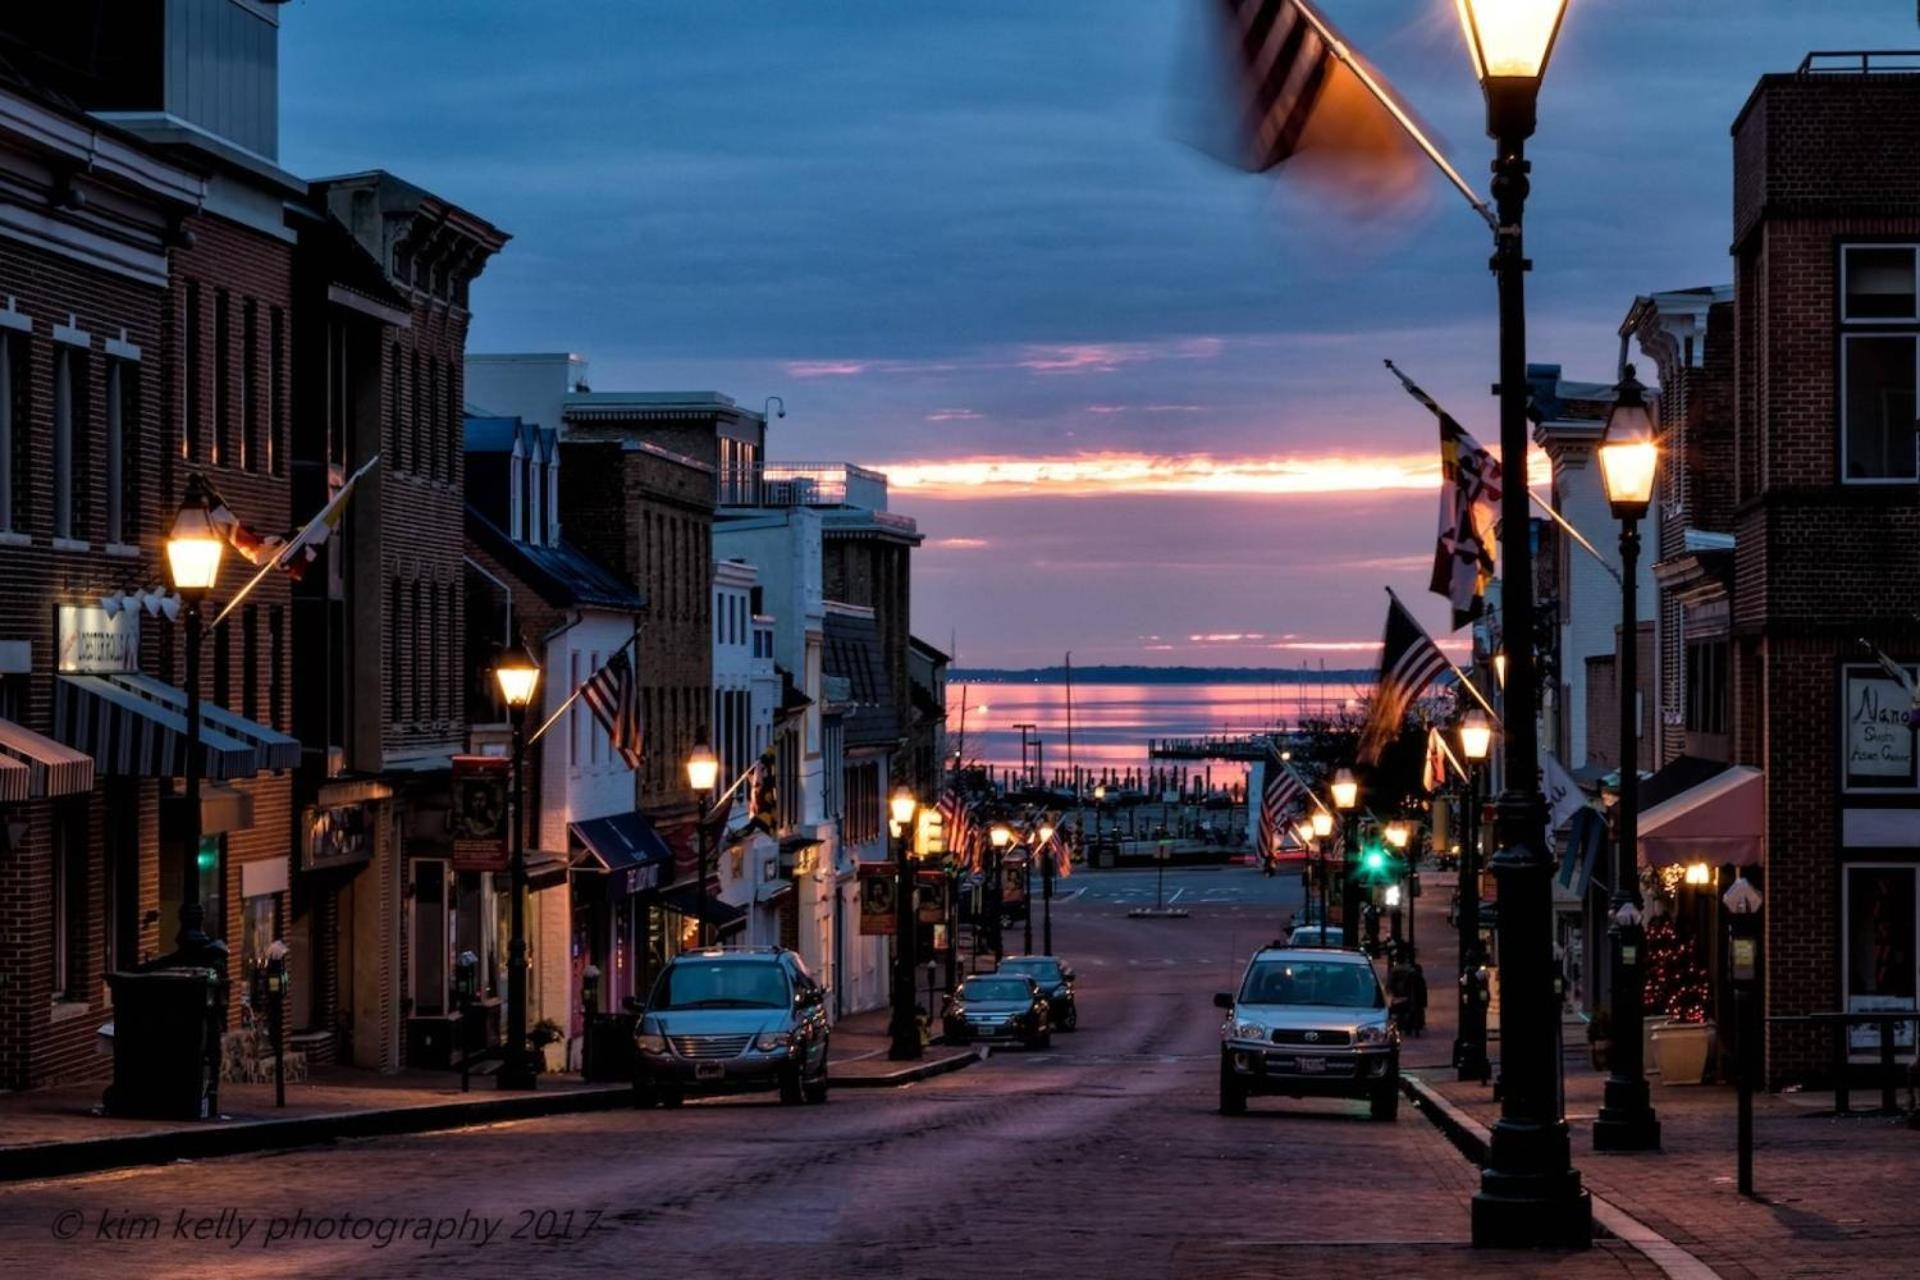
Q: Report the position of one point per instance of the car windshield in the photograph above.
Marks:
(1321, 982)
(995, 989)
(721, 984)
(1041, 970)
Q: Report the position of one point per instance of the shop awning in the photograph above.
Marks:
(625, 847)
(34, 767)
(546, 869)
(135, 726)
(689, 901)
(1720, 820)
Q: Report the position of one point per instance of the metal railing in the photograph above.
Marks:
(803, 484)
(1842, 1024)
(1860, 62)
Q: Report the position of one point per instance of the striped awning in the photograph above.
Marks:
(34, 767)
(135, 726)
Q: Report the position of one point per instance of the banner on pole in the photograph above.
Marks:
(479, 816)
(931, 896)
(879, 898)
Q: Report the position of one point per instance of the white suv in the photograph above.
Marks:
(1309, 1023)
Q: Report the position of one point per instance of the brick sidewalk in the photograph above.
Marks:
(1834, 1195)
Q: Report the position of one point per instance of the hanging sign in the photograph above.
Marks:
(479, 814)
(1013, 882)
(879, 898)
(1879, 739)
(91, 639)
(931, 897)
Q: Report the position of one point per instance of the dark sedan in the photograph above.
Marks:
(1055, 979)
(999, 1007)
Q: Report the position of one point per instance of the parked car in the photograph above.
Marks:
(991, 1006)
(1309, 1023)
(1318, 935)
(1055, 979)
(732, 1020)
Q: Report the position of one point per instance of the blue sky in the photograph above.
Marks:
(967, 233)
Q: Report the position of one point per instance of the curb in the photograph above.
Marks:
(1471, 1137)
(909, 1075)
(94, 1155)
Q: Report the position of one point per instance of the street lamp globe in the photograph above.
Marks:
(703, 768)
(194, 546)
(1476, 735)
(1346, 789)
(1628, 454)
(517, 677)
(1397, 833)
(1100, 791)
(1001, 835)
(1046, 832)
(1303, 830)
(902, 805)
(1322, 823)
(1510, 41)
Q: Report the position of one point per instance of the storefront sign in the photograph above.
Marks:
(91, 639)
(336, 836)
(879, 898)
(479, 815)
(1879, 741)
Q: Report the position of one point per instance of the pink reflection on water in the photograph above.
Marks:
(1112, 722)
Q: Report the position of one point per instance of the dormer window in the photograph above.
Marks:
(516, 497)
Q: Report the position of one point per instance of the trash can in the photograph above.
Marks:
(608, 1054)
(166, 1027)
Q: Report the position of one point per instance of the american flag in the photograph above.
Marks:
(957, 825)
(1280, 792)
(1409, 662)
(613, 696)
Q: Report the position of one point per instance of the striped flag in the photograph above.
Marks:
(1297, 97)
(1280, 793)
(1409, 662)
(956, 824)
(613, 696)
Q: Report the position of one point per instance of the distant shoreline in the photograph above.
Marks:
(1161, 675)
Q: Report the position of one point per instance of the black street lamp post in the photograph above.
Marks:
(1628, 460)
(703, 775)
(1530, 1194)
(517, 677)
(194, 549)
(1470, 1039)
(906, 1027)
(1346, 795)
(1026, 902)
(1047, 873)
(999, 837)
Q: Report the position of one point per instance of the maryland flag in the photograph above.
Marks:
(1433, 770)
(763, 799)
(1469, 513)
(292, 554)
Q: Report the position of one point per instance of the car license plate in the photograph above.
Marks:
(709, 1071)
(1311, 1066)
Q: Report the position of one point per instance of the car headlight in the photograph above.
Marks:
(1371, 1035)
(651, 1042)
(1061, 993)
(1249, 1031)
(958, 1013)
(768, 1041)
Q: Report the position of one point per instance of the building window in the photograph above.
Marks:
(250, 662)
(276, 392)
(436, 695)
(276, 666)
(222, 380)
(409, 439)
(70, 437)
(1878, 367)
(1707, 684)
(251, 453)
(60, 909)
(415, 669)
(575, 721)
(222, 664)
(190, 331)
(454, 418)
(394, 401)
(14, 429)
(123, 450)
(393, 651)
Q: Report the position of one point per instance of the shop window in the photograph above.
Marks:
(431, 936)
(1882, 910)
(259, 926)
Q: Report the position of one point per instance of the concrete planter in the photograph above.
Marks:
(1648, 1025)
(1682, 1049)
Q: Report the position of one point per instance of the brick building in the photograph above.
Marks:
(146, 275)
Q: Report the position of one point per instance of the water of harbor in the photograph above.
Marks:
(1112, 723)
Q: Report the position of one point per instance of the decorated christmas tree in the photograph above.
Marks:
(1676, 980)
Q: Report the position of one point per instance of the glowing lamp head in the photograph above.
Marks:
(1100, 791)
(1001, 835)
(902, 805)
(194, 545)
(1303, 830)
(703, 768)
(1046, 832)
(1699, 873)
(1346, 789)
(1476, 735)
(1510, 42)
(1322, 823)
(1628, 455)
(1397, 834)
(517, 677)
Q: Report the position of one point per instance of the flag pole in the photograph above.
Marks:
(291, 545)
(1451, 664)
(547, 724)
(1339, 50)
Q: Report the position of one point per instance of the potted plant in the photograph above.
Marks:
(1677, 988)
(1600, 1040)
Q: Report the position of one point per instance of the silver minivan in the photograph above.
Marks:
(732, 1020)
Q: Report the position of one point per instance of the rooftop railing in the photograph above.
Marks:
(1860, 62)
(803, 484)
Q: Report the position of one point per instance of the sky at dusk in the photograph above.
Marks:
(1134, 398)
